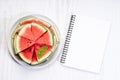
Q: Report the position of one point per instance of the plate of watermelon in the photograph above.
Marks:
(33, 41)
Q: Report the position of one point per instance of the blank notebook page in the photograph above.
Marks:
(87, 44)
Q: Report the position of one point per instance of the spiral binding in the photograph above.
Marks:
(67, 40)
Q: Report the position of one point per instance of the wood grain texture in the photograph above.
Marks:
(59, 11)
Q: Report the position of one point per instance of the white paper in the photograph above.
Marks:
(87, 45)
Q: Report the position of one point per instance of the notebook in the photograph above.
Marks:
(85, 43)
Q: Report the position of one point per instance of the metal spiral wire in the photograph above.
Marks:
(67, 40)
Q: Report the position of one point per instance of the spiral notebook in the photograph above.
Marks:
(85, 43)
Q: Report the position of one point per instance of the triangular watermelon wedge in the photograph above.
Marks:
(26, 37)
(42, 23)
(30, 38)
(27, 54)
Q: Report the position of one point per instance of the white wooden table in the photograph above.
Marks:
(58, 11)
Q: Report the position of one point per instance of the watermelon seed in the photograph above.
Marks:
(17, 32)
(29, 42)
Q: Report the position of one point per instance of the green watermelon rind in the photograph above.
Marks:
(39, 62)
(23, 31)
(55, 33)
(47, 58)
(22, 57)
(15, 50)
(55, 39)
(14, 40)
(16, 29)
(49, 32)
(14, 35)
(27, 61)
(33, 17)
(53, 49)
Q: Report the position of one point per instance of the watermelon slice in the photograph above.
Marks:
(46, 38)
(46, 25)
(35, 20)
(34, 40)
(26, 37)
(27, 54)
(42, 23)
(43, 56)
(32, 31)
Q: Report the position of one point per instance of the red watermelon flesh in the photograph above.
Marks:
(26, 32)
(45, 54)
(32, 31)
(27, 54)
(34, 57)
(43, 23)
(30, 54)
(30, 39)
(38, 21)
(27, 36)
(45, 39)
(23, 43)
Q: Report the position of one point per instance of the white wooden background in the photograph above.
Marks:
(58, 11)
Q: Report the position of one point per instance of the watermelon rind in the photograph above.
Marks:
(54, 40)
(20, 33)
(46, 23)
(16, 29)
(14, 36)
(23, 58)
(20, 54)
(14, 44)
(17, 46)
(36, 20)
(54, 46)
(50, 52)
(43, 58)
(53, 30)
